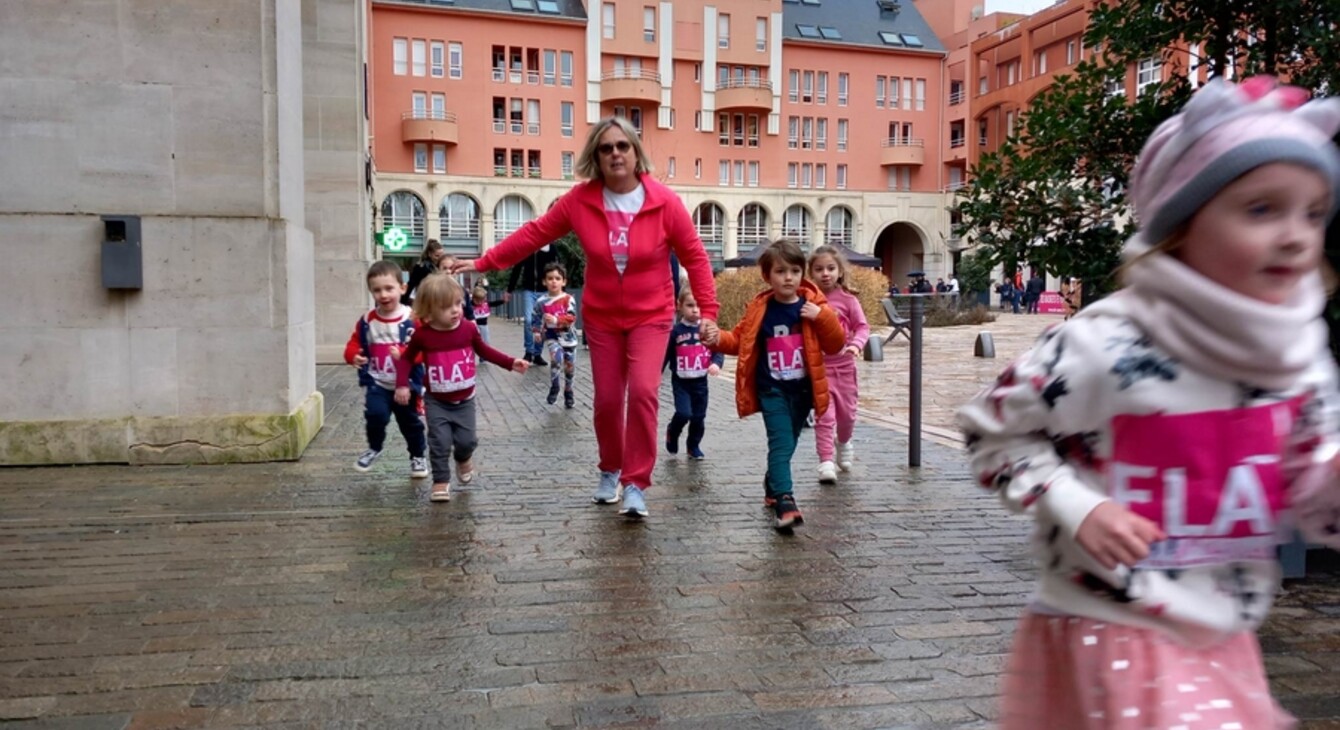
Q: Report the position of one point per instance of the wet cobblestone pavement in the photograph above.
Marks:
(309, 595)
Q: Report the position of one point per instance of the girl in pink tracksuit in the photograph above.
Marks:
(828, 269)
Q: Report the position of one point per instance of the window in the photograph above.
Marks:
(807, 31)
(723, 129)
(761, 34)
(421, 158)
(550, 67)
(821, 92)
(419, 57)
(792, 175)
(1039, 63)
(516, 116)
(879, 90)
(455, 56)
(1148, 72)
(752, 225)
(710, 221)
(533, 117)
(635, 118)
(830, 33)
(751, 130)
(921, 95)
(565, 68)
(400, 56)
(753, 174)
(806, 178)
(1069, 52)
(697, 168)
(842, 135)
(807, 87)
(404, 210)
(841, 177)
(723, 77)
(821, 176)
(565, 120)
(547, 6)
(739, 173)
(649, 25)
(793, 87)
(1009, 124)
(523, 4)
(459, 219)
(844, 81)
(907, 93)
(792, 132)
(737, 130)
(890, 39)
(607, 20)
(439, 107)
(723, 31)
(893, 92)
(807, 133)
(419, 103)
(670, 167)
(797, 221)
(821, 134)
(838, 226)
(438, 53)
(723, 172)
(912, 41)
(566, 162)
(509, 214)
(1009, 74)
(439, 158)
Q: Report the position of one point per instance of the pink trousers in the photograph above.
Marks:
(841, 374)
(1081, 674)
(626, 375)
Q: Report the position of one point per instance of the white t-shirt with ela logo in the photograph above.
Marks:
(619, 211)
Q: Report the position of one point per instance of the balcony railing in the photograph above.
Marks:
(763, 84)
(533, 128)
(460, 229)
(903, 151)
(956, 97)
(428, 125)
(533, 78)
(957, 141)
(631, 84)
(499, 74)
(630, 73)
(500, 126)
(533, 171)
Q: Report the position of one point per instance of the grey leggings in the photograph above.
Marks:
(451, 426)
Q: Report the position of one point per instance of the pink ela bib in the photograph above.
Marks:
(381, 365)
(449, 371)
(1218, 494)
(692, 361)
(481, 310)
(786, 357)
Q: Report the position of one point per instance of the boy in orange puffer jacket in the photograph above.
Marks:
(781, 342)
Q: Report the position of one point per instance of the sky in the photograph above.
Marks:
(1017, 6)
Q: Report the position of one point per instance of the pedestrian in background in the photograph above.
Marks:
(833, 428)
(1163, 436)
(628, 224)
(781, 342)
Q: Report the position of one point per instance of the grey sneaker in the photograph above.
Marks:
(634, 506)
(366, 460)
(418, 467)
(608, 491)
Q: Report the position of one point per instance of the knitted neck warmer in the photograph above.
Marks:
(1215, 330)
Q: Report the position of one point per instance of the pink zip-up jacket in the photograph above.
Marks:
(645, 291)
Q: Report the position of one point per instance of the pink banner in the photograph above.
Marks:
(450, 371)
(1050, 302)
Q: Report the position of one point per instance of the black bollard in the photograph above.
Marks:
(914, 396)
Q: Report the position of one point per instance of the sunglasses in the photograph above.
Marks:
(622, 146)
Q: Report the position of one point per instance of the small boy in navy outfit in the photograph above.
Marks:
(691, 362)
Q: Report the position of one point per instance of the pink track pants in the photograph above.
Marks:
(626, 374)
(841, 374)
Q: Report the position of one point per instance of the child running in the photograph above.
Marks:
(483, 307)
(555, 313)
(1168, 437)
(781, 341)
(377, 336)
(691, 363)
(829, 270)
(447, 345)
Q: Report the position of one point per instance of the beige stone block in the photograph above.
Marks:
(44, 362)
(37, 38)
(294, 275)
(341, 124)
(220, 154)
(225, 370)
(153, 370)
(206, 272)
(93, 441)
(125, 147)
(219, 46)
(337, 22)
(331, 69)
(301, 362)
(103, 370)
(345, 231)
(53, 273)
(38, 145)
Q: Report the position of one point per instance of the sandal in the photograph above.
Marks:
(440, 493)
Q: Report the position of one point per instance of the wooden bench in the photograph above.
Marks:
(899, 323)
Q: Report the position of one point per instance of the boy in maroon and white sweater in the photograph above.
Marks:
(447, 344)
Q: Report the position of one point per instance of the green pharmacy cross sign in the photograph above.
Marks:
(394, 239)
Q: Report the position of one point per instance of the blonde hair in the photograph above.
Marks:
(435, 292)
(588, 162)
(844, 266)
(479, 294)
(1168, 246)
(684, 293)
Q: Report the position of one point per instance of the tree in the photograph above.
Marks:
(1055, 195)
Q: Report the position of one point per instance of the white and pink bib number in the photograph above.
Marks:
(381, 366)
(558, 307)
(786, 357)
(482, 311)
(1217, 494)
(450, 371)
(619, 223)
(692, 361)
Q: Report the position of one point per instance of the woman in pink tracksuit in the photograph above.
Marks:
(628, 225)
(828, 269)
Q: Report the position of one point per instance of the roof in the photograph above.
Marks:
(864, 23)
(568, 9)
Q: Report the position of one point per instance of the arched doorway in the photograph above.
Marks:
(901, 249)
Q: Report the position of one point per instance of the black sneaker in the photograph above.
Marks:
(787, 514)
(538, 359)
(553, 394)
(568, 399)
(671, 443)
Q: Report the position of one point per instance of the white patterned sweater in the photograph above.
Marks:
(1097, 411)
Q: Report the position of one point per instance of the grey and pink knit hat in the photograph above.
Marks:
(1224, 132)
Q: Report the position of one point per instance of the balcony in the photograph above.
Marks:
(903, 152)
(421, 125)
(956, 97)
(631, 85)
(743, 95)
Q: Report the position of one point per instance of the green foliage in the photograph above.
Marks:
(573, 258)
(1055, 195)
(974, 273)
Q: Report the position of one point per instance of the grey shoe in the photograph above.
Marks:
(608, 492)
(366, 460)
(634, 505)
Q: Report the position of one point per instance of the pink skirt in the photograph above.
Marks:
(1077, 673)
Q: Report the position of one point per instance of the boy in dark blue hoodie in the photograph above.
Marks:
(691, 363)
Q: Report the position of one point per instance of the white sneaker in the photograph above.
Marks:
(418, 467)
(844, 455)
(827, 473)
